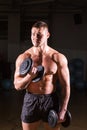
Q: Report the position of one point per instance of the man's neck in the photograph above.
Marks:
(42, 49)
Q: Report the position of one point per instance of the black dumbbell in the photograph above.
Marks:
(25, 68)
(53, 119)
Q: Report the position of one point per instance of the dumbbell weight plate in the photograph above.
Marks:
(52, 118)
(68, 119)
(25, 66)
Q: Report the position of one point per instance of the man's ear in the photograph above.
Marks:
(48, 35)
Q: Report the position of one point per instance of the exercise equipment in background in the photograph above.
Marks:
(7, 84)
(76, 67)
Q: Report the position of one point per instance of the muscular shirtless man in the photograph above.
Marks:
(41, 96)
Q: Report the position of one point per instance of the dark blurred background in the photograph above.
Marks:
(67, 20)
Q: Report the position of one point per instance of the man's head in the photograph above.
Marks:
(39, 33)
(40, 24)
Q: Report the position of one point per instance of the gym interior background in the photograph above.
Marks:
(67, 22)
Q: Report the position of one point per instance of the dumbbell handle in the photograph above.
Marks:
(28, 81)
(40, 73)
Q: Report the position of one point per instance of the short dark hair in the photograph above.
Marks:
(40, 24)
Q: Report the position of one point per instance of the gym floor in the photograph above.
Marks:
(11, 103)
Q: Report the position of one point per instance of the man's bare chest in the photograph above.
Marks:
(49, 64)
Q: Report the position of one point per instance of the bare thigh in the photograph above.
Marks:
(30, 126)
(47, 127)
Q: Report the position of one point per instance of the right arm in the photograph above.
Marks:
(22, 82)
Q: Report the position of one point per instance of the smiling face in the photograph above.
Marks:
(39, 36)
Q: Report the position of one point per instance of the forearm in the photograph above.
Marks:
(65, 96)
(22, 82)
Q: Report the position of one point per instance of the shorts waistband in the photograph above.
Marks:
(35, 94)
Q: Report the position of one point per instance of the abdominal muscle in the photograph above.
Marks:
(44, 86)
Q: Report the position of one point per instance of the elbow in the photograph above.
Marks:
(16, 86)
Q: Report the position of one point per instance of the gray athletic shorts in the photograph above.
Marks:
(36, 107)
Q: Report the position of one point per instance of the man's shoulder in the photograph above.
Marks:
(28, 51)
(52, 50)
(58, 56)
(23, 56)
